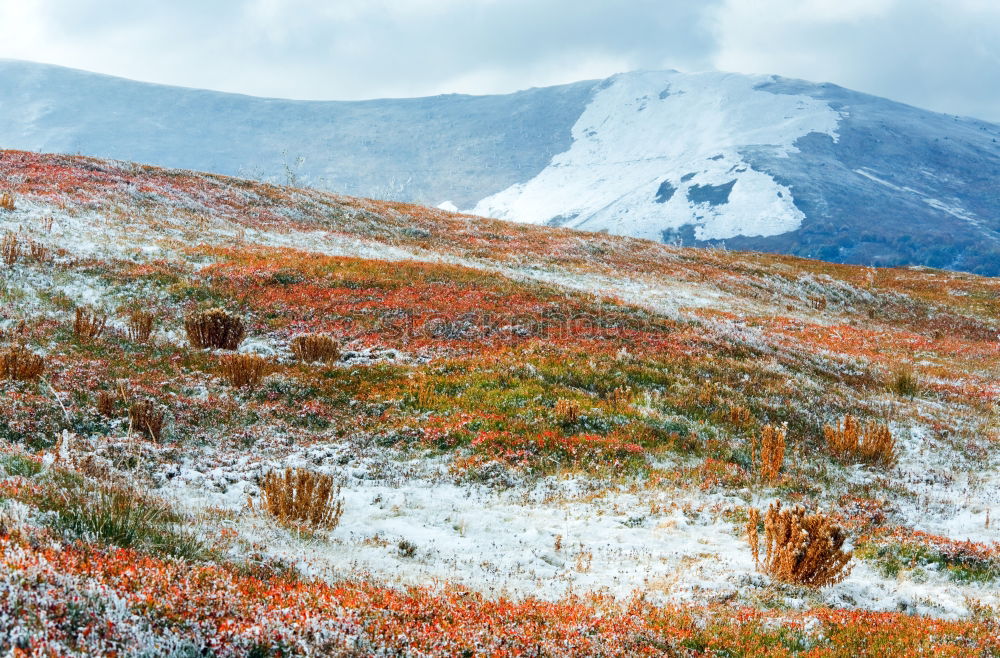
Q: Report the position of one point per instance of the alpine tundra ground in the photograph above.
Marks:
(534, 440)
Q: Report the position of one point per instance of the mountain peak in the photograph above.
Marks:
(756, 162)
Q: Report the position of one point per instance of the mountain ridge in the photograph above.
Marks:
(753, 162)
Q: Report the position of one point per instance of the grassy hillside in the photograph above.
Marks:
(538, 440)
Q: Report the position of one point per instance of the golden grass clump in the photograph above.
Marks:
(799, 548)
(37, 252)
(706, 395)
(215, 329)
(312, 348)
(7, 201)
(144, 416)
(302, 497)
(567, 411)
(740, 416)
(244, 370)
(140, 326)
(874, 445)
(88, 323)
(21, 364)
(771, 452)
(10, 249)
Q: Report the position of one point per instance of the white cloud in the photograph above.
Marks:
(934, 53)
(939, 55)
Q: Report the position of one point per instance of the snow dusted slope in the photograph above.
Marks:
(752, 162)
(656, 151)
(458, 148)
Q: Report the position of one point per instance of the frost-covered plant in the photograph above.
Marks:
(244, 370)
(567, 411)
(10, 249)
(89, 323)
(302, 497)
(215, 329)
(904, 381)
(799, 548)
(873, 445)
(146, 417)
(7, 201)
(105, 403)
(118, 515)
(21, 364)
(740, 416)
(771, 452)
(313, 348)
(140, 326)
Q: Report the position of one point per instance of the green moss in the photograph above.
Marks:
(894, 558)
(19, 465)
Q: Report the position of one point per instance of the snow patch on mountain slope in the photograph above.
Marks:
(656, 151)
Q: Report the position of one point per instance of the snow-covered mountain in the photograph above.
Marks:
(754, 162)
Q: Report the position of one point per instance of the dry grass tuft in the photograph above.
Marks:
(874, 445)
(140, 326)
(10, 249)
(312, 348)
(772, 452)
(145, 416)
(620, 399)
(37, 253)
(215, 329)
(706, 394)
(21, 364)
(799, 548)
(105, 404)
(302, 497)
(88, 323)
(244, 370)
(740, 416)
(904, 381)
(7, 201)
(567, 411)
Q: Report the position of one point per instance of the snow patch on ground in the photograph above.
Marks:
(547, 538)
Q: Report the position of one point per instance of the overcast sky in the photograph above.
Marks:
(939, 54)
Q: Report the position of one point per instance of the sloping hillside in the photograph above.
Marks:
(754, 162)
(541, 439)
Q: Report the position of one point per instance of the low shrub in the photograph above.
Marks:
(904, 381)
(21, 364)
(105, 404)
(771, 452)
(567, 412)
(313, 348)
(37, 253)
(10, 249)
(799, 548)
(145, 416)
(140, 326)
(873, 445)
(215, 329)
(244, 370)
(740, 416)
(7, 201)
(88, 323)
(300, 497)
